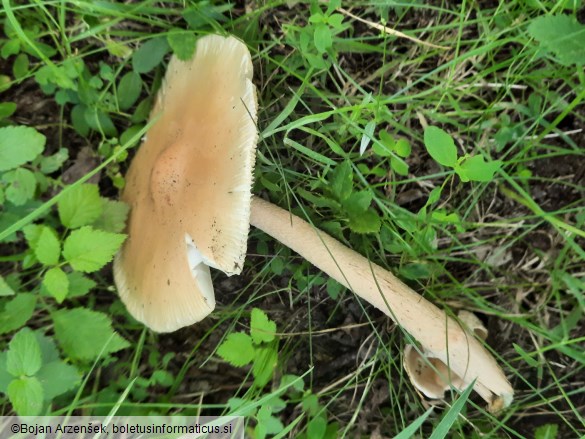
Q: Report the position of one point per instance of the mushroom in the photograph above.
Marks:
(429, 375)
(189, 191)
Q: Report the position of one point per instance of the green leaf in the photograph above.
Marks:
(113, 216)
(440, 146)
(5, 289)
(5, 377)
(237, 349)
(54, 162)
(358, 202)
(262, 329)
(265, 360)
(341, 182)
(149, 55)
(7, 109)
(385, 146)
(79, 285)
(562, 35)
(57, 378)
(399, 166)
(182, 43)
(547, 431)
(316, 427)
(24, 354)
(477, 169)
(47, 247)
(22, 185)
(366, 222)
(83, 333)
(402, 148)
(20, 68)
(17, 312)
(80, 206)
(322, 38)
(129, 90)
(19, 145)
(57, 283)
(26, 396)
(88, 250)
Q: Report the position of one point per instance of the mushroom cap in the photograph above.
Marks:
(189, 187)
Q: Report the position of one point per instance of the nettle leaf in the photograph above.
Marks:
(80, 206)
(149, 55)
(237, 349)
(440, 146)
(129, 90)
(79, 285)
(26, 396)
(366, 222)
(22, 185)
(262, 329)
(341, 182)
(182, 43)
(88, 250)
(477, 169)
(113, 216)
(57, 378)
(19, 145)
(57, 283)
(47, 247)
(83, 333)
(24, 354)
(17, 312)
(562, 35)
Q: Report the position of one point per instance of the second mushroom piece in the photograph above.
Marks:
(189, 189)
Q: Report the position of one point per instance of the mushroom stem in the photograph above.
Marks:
(438, 333)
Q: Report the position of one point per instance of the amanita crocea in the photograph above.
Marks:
(189, 189)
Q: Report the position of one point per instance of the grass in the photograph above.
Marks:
(510, 249)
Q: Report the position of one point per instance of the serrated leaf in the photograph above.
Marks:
(80, 206)
(22, 185)
(57, 378)
(83, 333)
(56, 283)
(562, 35)
(47, 247)
(49, 352)
(129, 90)
(17, 312)
(477, 169)
(440, 146)
(149, 55)
(366, 222)
(262, 329)
(237, 349)
(5, 289)
(24, 354)
(113, 216)
(19, 145)
(358, 202)
(182, 43)
(341, 182)
(79, 285)
(26, 396)
(88, 250)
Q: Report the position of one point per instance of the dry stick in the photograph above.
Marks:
(391, 31)
(438, 333)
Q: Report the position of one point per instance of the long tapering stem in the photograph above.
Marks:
(437, 332)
